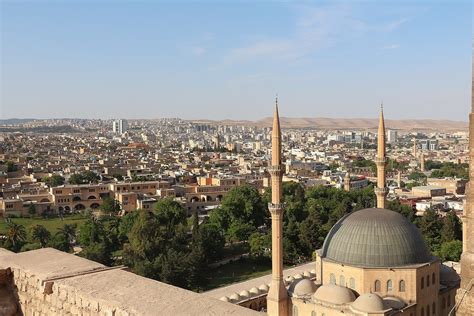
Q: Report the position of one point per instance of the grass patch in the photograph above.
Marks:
(51, 224)
(237, 271)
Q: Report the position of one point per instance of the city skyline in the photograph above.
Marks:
(153, 60)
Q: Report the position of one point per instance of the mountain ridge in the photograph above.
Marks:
(347, 123)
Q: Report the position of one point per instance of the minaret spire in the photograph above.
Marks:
(277, 298)
(381, 190)
(465, 295)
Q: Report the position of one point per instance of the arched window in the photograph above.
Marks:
(389, 286)
(422, 282)
(377, 286)
(449, 300)
(428, 310)
(433, 278)
(401, 286)
(342, 280)
(422, 312)
(295, 310)
(434, 308)
(352, 283)
(427, 280)
(332, 278)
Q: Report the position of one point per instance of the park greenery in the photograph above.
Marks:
(166, 245)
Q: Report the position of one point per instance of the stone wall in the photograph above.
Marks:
(48, 282)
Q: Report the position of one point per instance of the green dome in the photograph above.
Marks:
(375, 238)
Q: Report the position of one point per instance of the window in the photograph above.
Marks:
(427, 280)
(443, 304)
(401, 286)
(428, 310)
(332, 278)
(342, 281)
(422, 282)
(389, 286)
(313, 313)
(352, 283)
(422, 312)
(377, 286)
(433, 278)
(295, 310)
(434, 308)
(449, 300)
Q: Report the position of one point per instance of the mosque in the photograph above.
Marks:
(373, 262)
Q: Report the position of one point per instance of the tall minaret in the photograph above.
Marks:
(465, 296)
(422, 162)
(277, 298)
(414, 147)
(347, 182)
(381, 190)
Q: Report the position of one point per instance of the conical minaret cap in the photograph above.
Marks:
(276, 137)
(381, 135)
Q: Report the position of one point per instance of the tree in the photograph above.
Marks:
(16, 236)
(311, 232)
(239, 231)
(76, 179)
(69, 231)
(452, 228)
(60, 242)
(451, 251)
(98, 252)
(110, 206)
(11, 166)
(430, 226)
(91, 231)
(54, 181)
(260, 245)
(242, 204)
(32, 209)
(212, 242)
(40, 234)
(170, 213)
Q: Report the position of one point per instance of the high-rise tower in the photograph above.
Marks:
(381, 190)
(465, 296)
(277, 299)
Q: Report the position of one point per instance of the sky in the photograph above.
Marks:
(228, 59)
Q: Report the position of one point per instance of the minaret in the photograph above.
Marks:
(414, 147)
(465, 295)
(277, 298)
(422, 162)
(399, 179)
(381, 190)
(347, 182)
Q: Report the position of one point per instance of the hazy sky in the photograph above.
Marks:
(227, 59)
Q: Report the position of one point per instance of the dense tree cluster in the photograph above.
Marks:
(54, 181)
(448, 169)
(83, 178)
(166, 245)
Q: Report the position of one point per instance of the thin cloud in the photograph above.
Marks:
(198, 50)
(316, 28)
(392, 26)
(391, 46)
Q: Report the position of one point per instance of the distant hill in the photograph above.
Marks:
(356, 123)
(15, 121)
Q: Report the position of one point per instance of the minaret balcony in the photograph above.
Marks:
(276, 206)
(274, 168)
(380, 160)
(381, 190)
